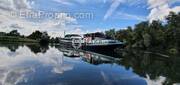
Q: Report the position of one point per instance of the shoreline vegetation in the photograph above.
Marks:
(16, 39)
(155, 36)
(36, 37)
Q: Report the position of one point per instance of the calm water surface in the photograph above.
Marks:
(53, 65)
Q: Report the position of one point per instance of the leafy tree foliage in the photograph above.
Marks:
(111, 33)
(155, 35)
(14, 33)
(37, 35)
(42, 37)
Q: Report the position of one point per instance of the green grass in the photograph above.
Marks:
(16, 39)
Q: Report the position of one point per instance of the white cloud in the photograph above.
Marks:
(54, 27)
(115, 4)
(127, 16)
(21, 4)
(159, 81)
(64, 2)
(157, 3)
(12, 71)
(14, 4)
(8, 21)
(161, 8)
(135, 2)
(77, 2)
(173, 1)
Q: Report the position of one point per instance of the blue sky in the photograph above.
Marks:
(105, 14)
(99, 9)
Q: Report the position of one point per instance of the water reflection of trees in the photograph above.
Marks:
(153, 65)
(11, 47)
(35, 48)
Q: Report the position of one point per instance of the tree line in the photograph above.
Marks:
(41, 37)
(155, 35)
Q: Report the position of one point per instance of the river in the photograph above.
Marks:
(32, 64)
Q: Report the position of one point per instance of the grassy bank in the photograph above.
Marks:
(16, 39)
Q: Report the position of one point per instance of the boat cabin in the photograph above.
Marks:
(72, 36)
(94, 36)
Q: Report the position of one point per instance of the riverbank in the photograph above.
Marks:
(16, 39)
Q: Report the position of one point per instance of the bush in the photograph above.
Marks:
(173, 51)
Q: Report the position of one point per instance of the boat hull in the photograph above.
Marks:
(103, 49)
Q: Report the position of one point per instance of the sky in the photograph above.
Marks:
(80, 16)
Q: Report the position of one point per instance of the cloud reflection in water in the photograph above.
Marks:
(16, 66)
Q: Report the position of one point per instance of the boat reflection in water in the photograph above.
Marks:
(90, 57)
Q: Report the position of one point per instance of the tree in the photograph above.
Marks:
(57, 40)
(45, 38)
(152, 36)
(14, 33)
(138, 32)
(52, 40)
(2, 33)
(173, 30)
(125, 35)
(42, 37)
(37, 35)
(147, 40)
(110, 33)
(156, 30)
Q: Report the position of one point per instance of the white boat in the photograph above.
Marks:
(91, 42)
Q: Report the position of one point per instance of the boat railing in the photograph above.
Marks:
(95, 42)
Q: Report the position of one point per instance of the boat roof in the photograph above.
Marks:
(97, 34)
(72, 35)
